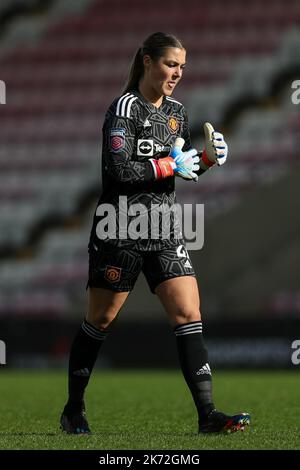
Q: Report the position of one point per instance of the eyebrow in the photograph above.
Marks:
(176, 62)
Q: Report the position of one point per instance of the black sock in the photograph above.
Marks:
(194, 364)
(83, 355)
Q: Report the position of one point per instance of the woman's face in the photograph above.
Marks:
(163, 75)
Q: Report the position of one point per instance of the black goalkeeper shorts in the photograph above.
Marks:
(117, 269)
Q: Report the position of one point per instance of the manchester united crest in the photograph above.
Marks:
(112, 274)
(173, 124)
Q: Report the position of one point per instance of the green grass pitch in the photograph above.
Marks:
(149, 410)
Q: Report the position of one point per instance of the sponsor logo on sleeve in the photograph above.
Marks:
(117, 139)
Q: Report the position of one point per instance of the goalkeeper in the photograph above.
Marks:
(146, 144)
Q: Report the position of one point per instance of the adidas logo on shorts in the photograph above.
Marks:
(187, 264)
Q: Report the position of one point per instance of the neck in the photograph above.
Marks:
(150, 94)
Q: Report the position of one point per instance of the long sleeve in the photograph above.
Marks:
(119, 136)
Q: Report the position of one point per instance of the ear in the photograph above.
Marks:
(147, 60)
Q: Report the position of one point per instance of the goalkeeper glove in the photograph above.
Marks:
(180, 163)
(216, 149)
(186, 162)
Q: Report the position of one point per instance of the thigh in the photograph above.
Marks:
(113, 268)
(181, 300)
(112, 275)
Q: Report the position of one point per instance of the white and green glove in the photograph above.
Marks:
(216, 149)
(186, 162)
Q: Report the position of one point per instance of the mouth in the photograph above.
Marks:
(171, 85)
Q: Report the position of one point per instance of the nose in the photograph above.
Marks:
(178, 72)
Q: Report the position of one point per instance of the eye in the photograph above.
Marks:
(172, 65)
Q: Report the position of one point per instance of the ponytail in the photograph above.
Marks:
(136, 72)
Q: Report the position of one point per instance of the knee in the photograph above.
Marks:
(101, 320)
(187, 316)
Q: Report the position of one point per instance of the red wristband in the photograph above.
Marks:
(163, 168)
(206, 160)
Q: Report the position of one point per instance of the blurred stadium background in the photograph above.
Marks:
(63, 62)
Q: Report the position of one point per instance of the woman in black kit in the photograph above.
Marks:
(146, 143)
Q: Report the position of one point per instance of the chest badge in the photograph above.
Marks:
(173, 124)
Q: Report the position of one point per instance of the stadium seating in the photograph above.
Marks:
(63, 69)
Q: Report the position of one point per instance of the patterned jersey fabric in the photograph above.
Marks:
(134, 132)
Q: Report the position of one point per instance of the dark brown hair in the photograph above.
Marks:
(154, 46)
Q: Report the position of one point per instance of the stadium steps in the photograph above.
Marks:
(26, 21)
(251, 79)
(76, 57)
(262, 146)
(20, 19)
(217, 190)
(253, 249)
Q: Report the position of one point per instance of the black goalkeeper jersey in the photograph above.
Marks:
(134, 132)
